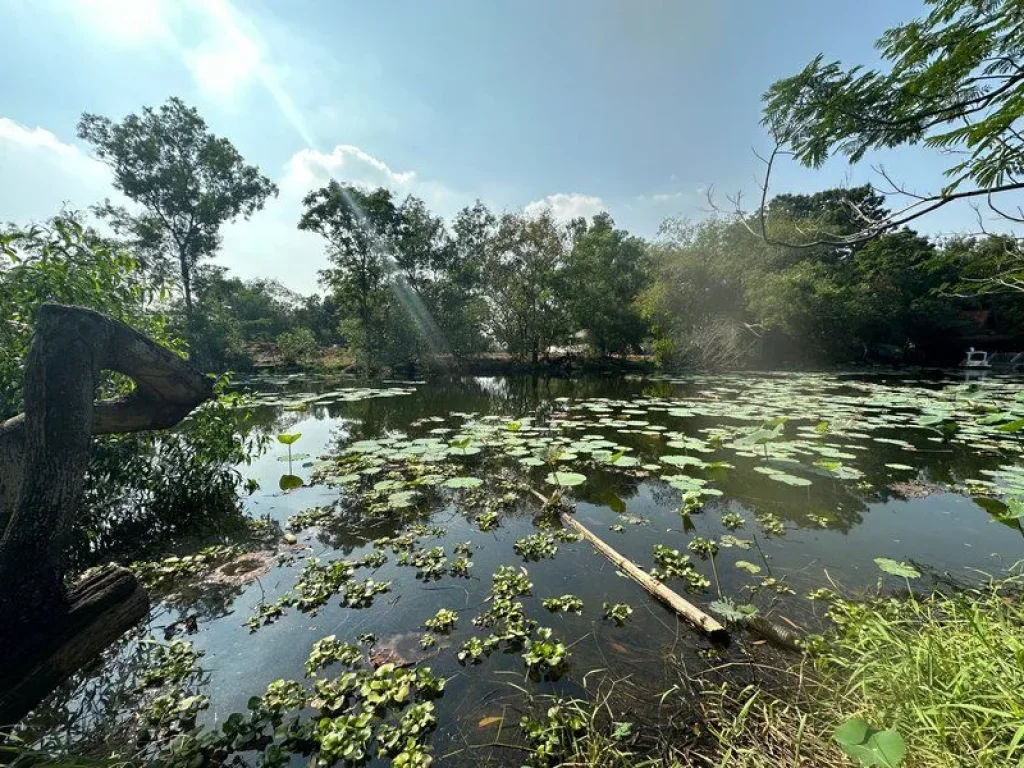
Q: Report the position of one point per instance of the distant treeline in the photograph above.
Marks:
(403, 287)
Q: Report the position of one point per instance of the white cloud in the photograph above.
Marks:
(567, 206)
(345, 162)
(271, 245)
(210, 37)
(42, 174)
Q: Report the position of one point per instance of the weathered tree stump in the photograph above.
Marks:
(48, 631)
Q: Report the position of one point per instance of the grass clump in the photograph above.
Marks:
(945, 671)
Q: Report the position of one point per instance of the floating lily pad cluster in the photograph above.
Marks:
(303, 400)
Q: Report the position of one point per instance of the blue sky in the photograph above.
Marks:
(633, 106)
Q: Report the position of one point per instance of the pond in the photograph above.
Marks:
(743, 491)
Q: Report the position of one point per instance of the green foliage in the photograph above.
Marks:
(958, 61)
(329, 650)
(67, 263)
(941, 670)
(606, 269)
(545, 654)
(189, 181)
(870, 746)
(895, 568)
(172, 571)
(565, 603)
(525, 264)
(143, 488)
(617, 612)
(443, 621)
(536, 546)
(672, 564)
(236, 320)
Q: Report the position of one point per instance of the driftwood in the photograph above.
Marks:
(651, 585)
(50, 631)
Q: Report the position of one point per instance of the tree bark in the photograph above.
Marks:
(45, 454)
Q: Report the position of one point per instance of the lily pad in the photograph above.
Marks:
(566, 479)
(895, 568)
(463, 482)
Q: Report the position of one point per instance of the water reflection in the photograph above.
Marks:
(900, 506)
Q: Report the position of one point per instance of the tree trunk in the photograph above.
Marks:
(186, 285)
(46, 453)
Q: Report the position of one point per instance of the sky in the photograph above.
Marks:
(636, 107)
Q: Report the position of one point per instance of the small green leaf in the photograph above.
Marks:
(287, 439)
(870, 746)
(894, 568)
(463, 482)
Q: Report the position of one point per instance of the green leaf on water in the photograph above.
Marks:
(681, 461)
(870, 746)
(566, 479)
(894, 568)
(748, 567)
(402, 499)
(782, 477)
(729, 611)
(618, 460)
(287, 439)
(463, 482)
(289, 482)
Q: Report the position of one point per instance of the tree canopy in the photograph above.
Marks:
(188, 181)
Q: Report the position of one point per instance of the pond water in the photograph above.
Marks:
(801, 482)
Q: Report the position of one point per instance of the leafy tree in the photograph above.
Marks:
(605, 271)
(718, 287)
(188, 181)
(296, 345)
(234, 316)
(457, 294)
(66, 262)
(524, 269)
(695, 299)
(361, 229)
(952, 84)
(320, 315)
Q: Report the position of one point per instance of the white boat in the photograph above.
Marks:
(976, 359)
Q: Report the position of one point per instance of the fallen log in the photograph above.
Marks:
(651, 585)
(101, 607)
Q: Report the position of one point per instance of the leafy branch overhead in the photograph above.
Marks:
(952, 83)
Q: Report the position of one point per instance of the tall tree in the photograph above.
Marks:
(361, 229)
(188, 181)
(524, 266)
(606, 270)
(458, 293)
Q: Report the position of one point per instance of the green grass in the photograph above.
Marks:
(946, 671)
